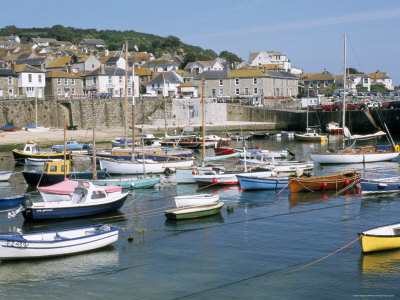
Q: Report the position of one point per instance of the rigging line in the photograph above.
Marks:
(355, 54)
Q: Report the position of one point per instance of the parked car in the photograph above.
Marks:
(327, 107)
(223, 97)
(394, 104)
(105, 95)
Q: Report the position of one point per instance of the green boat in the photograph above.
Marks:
(191, 212)
(129, 183)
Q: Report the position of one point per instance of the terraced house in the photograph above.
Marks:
(61, 85)
(8, 84)
(254, 84)
(320, 83)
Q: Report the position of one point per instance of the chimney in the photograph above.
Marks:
(69, 68)
(265, 70)
(102, 69)
(13, 65)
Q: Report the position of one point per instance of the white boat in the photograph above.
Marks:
(37, 162)
(311, 137)
(333, 127)
(5, 175)
(54, 243)
(150, 166)
(191, 200)
(352, 156)
(185, 174)
(227, 178)
(64, 191)
(36, 129)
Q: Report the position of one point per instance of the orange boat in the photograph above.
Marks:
(329, 182)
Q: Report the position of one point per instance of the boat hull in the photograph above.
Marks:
(195, 200)
(39, 178)
(330, 182)
(129, 184)
(352, 158)
(127, 167)
(12, 200)
(310, 138)
(5, 175)
(55, 243)
(253, 183)
(74, 211)
(20, 155)
(380, 186)
(380, 238)
(200, 211)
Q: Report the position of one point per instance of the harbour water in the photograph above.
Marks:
(263, 247)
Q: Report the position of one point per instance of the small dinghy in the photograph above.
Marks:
(380, 238)
(53, 243)
(193, 200)
(12, 200)
(191, 212)
(5, 175)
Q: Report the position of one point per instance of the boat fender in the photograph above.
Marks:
(397, 148)
(347, 182)
(324, 185)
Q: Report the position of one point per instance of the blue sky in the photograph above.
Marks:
(310, 33)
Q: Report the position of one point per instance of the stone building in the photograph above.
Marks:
(61, 85)
(8, 84)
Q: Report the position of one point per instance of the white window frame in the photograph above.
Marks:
(72, 91)
(221, 82)
(237, 81)
(58, 81)
(29, 77)
(72, 81)
(10, 92)
(221, 91)
(59, 91)
(40, 78)
(65, 81)
(10, 80)
(109, 79)
(237, 91)
(255, 80)
(255, 91)
(120, 79)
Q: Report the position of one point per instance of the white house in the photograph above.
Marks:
(11, 38)
(110, 80)
(94, 42)
(199, 67)
(31, 81)
(115, 61)
(43, 42)
(269, 58)
(85, 63)
(361, 80)
(161, 65)
(165, 84)
(381, 78)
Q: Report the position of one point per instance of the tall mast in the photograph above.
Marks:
(65, 149)
(94, 152)
(344, 85)
(204, 129)
(126, 94)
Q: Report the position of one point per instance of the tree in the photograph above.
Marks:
(189, 57)
(61, 33)
(231, 59)
(10, 30)
(353, 71)
(171, 42)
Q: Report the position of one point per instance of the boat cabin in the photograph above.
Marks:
(31, 148)
(57, 167)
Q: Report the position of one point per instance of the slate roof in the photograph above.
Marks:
(27, 69)
(31, 61)
(143, 71)
(159, 62)
(59, 62)
(246, 73)
(60, 74)
(212, 74)
(43, 40)
(112, 60)
(109, 72)
(282, 74)
(93, 42)
(170, 77)
(7, 72)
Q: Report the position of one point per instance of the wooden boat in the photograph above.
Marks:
(194, 200)
(70, 146)
(224, 147)
(59, 242)
(86, 201)
(329, 182)
(129, 183)
(31, 151)
(261, 183)
(64, 190)
(12, 200)
(53, 172)
(133, 167)
(5, 175)
(380, 185)
(192, 212)
(380, 238)
(37, 162)
(351, 156)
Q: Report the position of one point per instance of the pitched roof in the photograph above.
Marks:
(170, 77)
(159, 62)
(7, 72)
(93, 42)
(27, 69)
(317, 76)
(184, 73)
(212, 74)
(378, 75)
(31, 61)
(188, 84)
(282, 74)
(60, 74)
(143, 71)
(109, 72)
(112, 60)
(43, 40)
(59, 62)
(246, 73)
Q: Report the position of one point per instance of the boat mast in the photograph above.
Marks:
(204, 130)
(94, 153)
(308, 99)
(65, 149)
(126, 94)
(36, 111)
(344, 87)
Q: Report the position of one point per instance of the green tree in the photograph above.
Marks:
(60, 33)
(378, 89)
(230, 58)
(10, 30)
(353, 71)
(171, 42)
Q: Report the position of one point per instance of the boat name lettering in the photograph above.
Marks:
(44, 210)
(17, 244)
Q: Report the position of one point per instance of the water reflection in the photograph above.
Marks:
(305, 198)
(193, 223)
(57, 267)
(380, 263)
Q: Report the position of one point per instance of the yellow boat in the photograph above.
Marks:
(31, 150)
(380, 238)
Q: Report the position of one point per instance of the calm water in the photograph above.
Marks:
(252, 251)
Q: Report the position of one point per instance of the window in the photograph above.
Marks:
(254, 80)
(40, 78)
(72, 81)
(120, 79)
(129, 79)
(109, 79)
(152, 85)
(236, 91)
(221, 91)
(10, 80)
(237, 81)
(129, 91)
(255, 91)
(165, 69)
(73, 91)
(246, 91)
(59, 91)
(221, 82)
(325, 83)
(10, 92)
(53, 168)
(66, 81)
(274, 81)
(29, 77)
(58, 81)
(318, 84)
(310, 85)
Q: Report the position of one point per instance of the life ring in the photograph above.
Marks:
(397, 148)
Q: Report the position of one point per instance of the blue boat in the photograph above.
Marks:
(266, 183)
(70, 146)
(12, 200)
(380, 186)
(86, 201)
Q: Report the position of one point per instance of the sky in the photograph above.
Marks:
(309, 32)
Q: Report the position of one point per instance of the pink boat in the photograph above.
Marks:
(64, 190)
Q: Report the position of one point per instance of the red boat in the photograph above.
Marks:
(224, 147)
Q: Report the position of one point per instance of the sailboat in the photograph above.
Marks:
(311, 134)
(355, 155)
